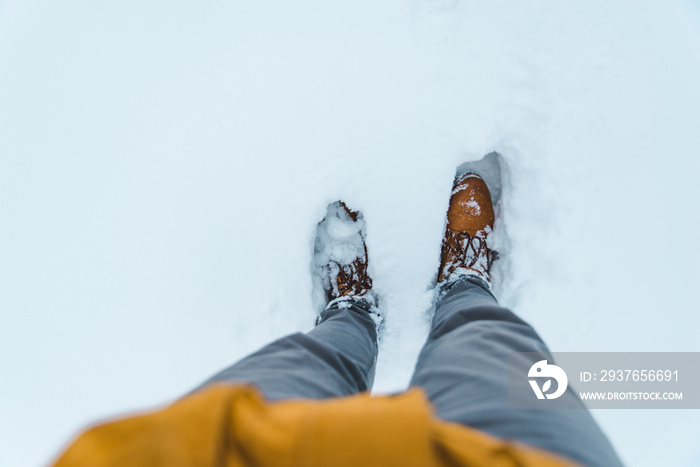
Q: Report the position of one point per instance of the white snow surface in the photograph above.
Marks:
(163, 167)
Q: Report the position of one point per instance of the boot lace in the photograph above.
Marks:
(352, 278)
(468, 252)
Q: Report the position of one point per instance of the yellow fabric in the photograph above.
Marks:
(228, 425)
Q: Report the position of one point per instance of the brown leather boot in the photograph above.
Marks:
(340, 254)
(470, 220)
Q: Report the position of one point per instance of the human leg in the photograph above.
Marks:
(338, 356)
(463, 367)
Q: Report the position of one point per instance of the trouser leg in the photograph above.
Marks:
(463, 367)
(336, 358)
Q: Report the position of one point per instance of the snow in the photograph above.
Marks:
(163, 168)
(339, 238)
(474, 208)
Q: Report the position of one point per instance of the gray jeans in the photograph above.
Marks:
(463, 368)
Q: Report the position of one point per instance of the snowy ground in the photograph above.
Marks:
(163, 167)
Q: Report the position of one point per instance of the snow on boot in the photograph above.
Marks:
(470, 219)
(340, 263)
